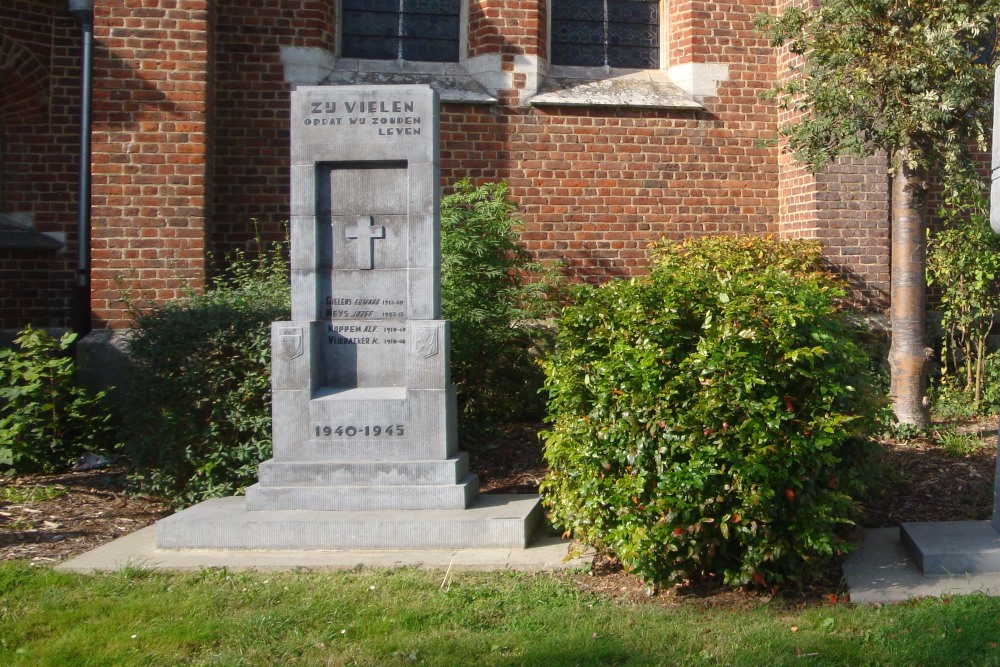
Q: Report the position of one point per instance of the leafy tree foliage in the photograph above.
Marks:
(911, 78)
(964, 263)
(495, 297)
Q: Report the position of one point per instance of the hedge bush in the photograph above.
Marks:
(198, 410)
(46, 419)
(711, 420)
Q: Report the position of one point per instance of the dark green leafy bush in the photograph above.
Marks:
(712, 419)
(46, 419)
(494, 295)
(198, 414)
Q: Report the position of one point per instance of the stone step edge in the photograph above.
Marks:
(364, 473)
(496, 521)
(353, 498)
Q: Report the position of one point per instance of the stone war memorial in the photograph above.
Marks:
(365, 444)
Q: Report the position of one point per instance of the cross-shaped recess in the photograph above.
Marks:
(365, 232)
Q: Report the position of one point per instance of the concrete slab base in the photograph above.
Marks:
(881, 571)
(490, 522)
(952, 547)
(546, 553)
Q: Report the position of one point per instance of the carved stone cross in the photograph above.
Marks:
(365, 232)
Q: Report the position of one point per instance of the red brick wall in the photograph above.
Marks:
(191, 142)
(846, 206)
(251, 111)
(597, 185)
(151, 151)
(510, 27)
(39, 71)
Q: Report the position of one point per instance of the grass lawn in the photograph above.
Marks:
(406, 616)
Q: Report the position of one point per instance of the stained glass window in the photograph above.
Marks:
(606, 33)
(425, 30)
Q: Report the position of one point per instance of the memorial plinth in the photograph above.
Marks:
(365, 444)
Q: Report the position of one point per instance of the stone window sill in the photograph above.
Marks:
(16, 231)
(450, 80)
(601, 87)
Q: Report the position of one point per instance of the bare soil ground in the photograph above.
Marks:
(923, 481)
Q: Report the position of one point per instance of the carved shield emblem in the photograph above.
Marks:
(290, 342)
(426, 341)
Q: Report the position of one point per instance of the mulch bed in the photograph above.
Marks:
(921, 483)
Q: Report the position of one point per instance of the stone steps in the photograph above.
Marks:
(490, 522)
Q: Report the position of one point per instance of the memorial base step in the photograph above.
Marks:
(364, 473)
(397, 449)
(952, 547)
(496, 521)
(337, 498)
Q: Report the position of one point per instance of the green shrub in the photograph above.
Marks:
(46, 419)
(711, 419)
(494, 295)
(963, 263)
(198, 414)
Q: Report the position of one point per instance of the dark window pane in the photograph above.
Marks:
(580, 55)
(442, 7)
(577, 32)
(631, 57)
(371, 5)
(634, 35)
(429, 30)
(619, 33)
(433, 50)
(634, 12)
(430, 27)
(578, 10)
(370, 48)
(372, 24)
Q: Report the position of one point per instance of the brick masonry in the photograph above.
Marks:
(191, 133)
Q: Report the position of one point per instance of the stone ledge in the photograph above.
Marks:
(640, 89)
(547, 553)
(499, 521)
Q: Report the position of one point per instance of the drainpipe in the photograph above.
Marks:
(83, 12)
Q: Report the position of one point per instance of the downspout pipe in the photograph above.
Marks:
(83, 12)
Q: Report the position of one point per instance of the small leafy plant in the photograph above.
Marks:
(712, 419)
(46, 419)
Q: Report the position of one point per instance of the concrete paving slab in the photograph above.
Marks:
(546, 553)
(881, 571)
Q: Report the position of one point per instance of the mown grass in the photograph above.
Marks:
(405, 617)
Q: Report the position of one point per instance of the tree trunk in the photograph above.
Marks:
(908, 353)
